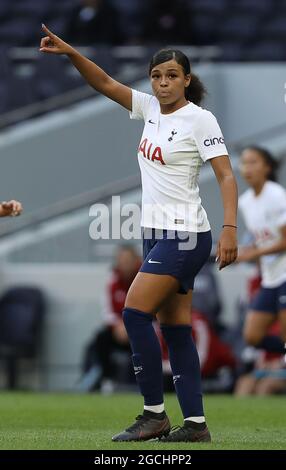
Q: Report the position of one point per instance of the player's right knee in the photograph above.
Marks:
(135, 318)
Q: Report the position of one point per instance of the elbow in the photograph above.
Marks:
(227, 179)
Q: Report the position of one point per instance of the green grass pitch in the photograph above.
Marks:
(70, 421)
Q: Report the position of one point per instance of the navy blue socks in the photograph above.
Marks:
(147, 358)
(147, 361)
(185, 366)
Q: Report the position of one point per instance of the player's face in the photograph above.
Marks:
(168, 82)
(253, 167)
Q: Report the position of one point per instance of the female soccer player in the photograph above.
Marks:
(263, 207)
(178, 137)
(10, 208)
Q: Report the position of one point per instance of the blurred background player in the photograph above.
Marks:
(166, 278)
(263, 207)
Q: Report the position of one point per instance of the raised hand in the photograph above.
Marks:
(52, 44)
(10, 208)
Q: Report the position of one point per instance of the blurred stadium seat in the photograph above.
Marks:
(275, 28)
(21, 318)
(232, 52)
(5, 9)
(266, 51)
(51, 77)
(18, 31)
(204, 28)
(259, 7)
(208, 6)
(30, 8)
(241, 28)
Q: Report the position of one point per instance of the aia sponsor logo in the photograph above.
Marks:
(151, 152)
(213, 141)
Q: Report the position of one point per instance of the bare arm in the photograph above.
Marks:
(251, 253)
(277, 247)
(227, 245)
(94, 75)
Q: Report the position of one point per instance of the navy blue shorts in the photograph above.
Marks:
(179, 254)
(270, 300)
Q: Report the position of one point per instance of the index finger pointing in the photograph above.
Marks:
(47, 31)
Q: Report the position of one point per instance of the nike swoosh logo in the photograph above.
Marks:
(151, 122)
(157, 262)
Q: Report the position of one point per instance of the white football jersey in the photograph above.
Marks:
(264, 215)
(172, 150)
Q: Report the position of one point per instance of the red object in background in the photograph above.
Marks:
(116, 292)
(213, 353)
(253, 286)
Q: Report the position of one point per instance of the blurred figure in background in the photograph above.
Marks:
(263, 207)
(93, 22)
(99, 367)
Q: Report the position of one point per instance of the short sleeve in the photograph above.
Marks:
(208, 136)
(280, 208)
(244, 203)
(241, 202)
(140, 104)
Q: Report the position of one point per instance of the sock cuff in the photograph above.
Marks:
(137, 314)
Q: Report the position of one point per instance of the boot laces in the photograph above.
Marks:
(140, 422)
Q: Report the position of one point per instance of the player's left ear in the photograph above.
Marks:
(187, 80)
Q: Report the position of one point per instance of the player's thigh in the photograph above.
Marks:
(177, 310)
(149, 291)
(256, 325)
